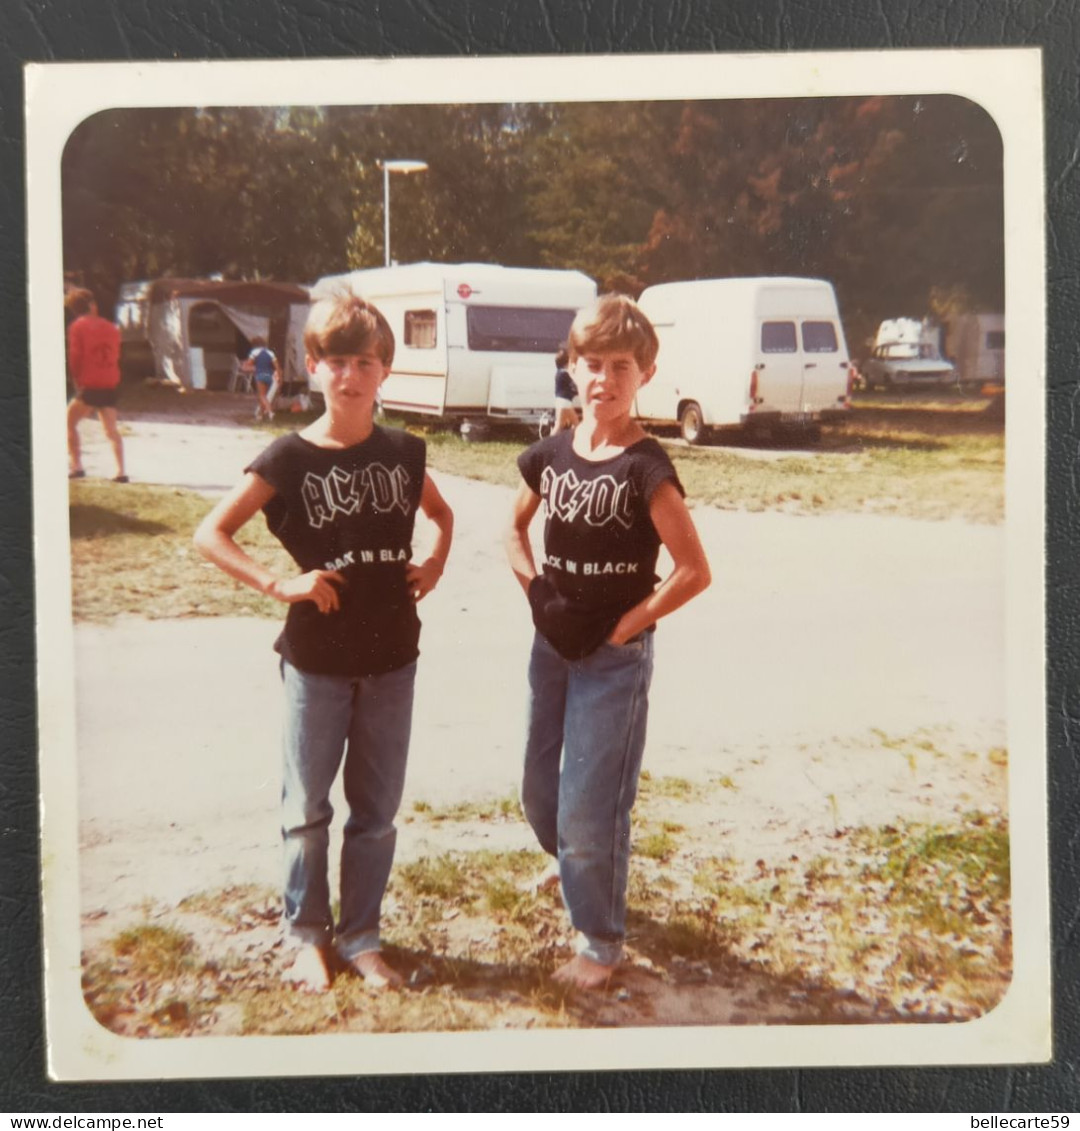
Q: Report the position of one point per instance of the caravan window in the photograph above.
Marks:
(778, 337)
(518, 329)
(819, 337)
(420, 329)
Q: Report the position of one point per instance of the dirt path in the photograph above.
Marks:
(826, 651)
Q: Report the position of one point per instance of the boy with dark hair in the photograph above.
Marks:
(610, 497)
(93, 347)
(341, 495)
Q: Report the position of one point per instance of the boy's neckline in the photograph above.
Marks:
(611, 455)
(336, 447)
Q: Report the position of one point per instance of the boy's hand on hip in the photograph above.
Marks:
(317, 585)
(423, 578)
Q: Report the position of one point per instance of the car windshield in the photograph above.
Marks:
(899, 350)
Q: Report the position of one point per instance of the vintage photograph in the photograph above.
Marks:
(535, 570)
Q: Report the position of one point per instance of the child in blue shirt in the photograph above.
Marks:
(262, 363)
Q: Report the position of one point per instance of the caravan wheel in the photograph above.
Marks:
(474, 430)
(692, 423)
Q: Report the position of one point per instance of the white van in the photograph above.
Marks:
(754, 352)
(475, 341)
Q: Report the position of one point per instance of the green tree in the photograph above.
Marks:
(887, 197)
(595, 185)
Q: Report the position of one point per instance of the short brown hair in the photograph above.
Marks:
(80, 301)
(341, 323)
(614, 322)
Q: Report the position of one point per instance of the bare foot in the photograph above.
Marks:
(309, 971)
(548, 880)
(583, 973)
(373, 968)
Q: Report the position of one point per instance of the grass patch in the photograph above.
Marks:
(716, 874)
(234, 903)
(131, 553)
(934, 461)
(491, 461)
(442, 877)
(942, 875)
(146, 982)
(478, 910)
(915, 915)
(506, 808)
(677, 789)
(155, 951)
(914, 920)
(467, 877)
(904, 922)
(857, 471)
(693, 935)
(657, 846)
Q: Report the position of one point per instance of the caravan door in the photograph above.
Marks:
(418, 377)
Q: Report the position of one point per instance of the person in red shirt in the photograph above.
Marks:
(94, 365)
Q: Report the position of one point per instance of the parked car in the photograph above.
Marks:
(906, 364)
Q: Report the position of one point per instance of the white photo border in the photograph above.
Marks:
(1007, 83)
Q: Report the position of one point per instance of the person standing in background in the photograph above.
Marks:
(566, 393)
(263, 363)
(93, 347)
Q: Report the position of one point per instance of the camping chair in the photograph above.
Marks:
(240, 381)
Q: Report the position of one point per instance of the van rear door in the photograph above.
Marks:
(825, 365)
(779, 366)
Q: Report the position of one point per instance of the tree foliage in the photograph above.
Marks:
(897, 200)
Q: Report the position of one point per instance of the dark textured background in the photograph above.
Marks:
(64, 30)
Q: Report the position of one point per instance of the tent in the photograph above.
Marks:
(198, 329)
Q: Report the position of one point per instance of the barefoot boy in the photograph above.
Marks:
(341, 496)
(610, 497)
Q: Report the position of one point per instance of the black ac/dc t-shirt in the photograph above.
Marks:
(353, 510)
(600, 546)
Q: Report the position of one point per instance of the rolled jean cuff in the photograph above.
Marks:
(360, 943)
(309, 936)
(604, 952)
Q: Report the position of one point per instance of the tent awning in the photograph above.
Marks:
(237, 291)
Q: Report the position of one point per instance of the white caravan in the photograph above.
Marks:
(474, 341)
(755, 352)
(976, 343)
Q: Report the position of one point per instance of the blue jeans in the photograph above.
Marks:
(583, 754)
(367, 721)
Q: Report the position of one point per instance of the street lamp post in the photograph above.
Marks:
(388, 167)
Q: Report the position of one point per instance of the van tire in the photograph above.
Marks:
(692, 423)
